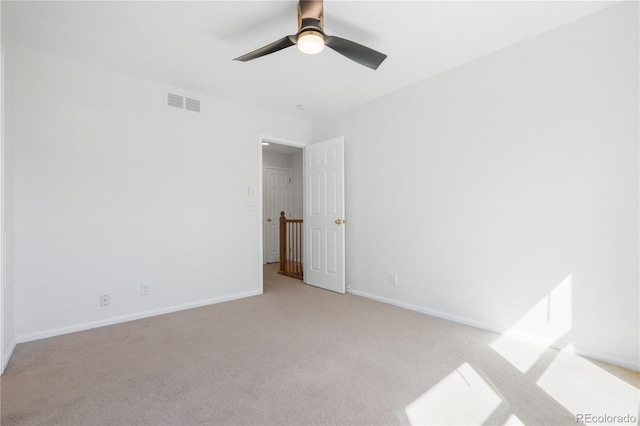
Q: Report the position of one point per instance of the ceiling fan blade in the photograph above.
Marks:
(356, 52)
(283, 43)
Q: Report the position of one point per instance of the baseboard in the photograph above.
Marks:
(6, 357)
(423, 310)
(132, 317)
(587, 353)
(598, 356)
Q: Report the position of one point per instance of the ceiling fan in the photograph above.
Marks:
(311, 39)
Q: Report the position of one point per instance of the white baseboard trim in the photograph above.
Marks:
(131, 317)
(423, 310)
(6, 357)
(587, 353)
(598, 356)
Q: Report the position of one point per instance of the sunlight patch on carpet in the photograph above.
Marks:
(513, 420)
(462, 397)
(584, 388)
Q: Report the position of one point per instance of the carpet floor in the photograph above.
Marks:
(299, 355)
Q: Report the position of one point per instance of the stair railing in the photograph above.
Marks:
(290, 247)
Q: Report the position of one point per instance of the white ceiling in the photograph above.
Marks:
(191, 45)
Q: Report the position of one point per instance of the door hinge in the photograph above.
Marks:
(289, 180)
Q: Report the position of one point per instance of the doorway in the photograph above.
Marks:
(322, 169)
(280, 156)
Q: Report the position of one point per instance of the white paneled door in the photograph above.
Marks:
(277, 199)
(324, 215)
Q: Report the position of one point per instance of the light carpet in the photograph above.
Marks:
(298, 355)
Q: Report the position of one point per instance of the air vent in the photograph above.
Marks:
(175, 101)
(182, 102)
(192, 105)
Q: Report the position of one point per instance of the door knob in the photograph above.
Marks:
(338, 221)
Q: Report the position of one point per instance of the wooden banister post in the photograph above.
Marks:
(283, 242)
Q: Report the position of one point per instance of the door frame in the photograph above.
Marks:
(2, 230)
(280, 141)
(264, 174)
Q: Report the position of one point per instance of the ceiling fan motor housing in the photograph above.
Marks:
(311, 24)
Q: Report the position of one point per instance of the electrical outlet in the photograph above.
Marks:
(105, 300)
(393, 279)
(145, 289)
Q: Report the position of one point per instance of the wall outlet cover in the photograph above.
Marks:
(105, 300)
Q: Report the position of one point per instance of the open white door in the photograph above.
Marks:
(324, 215)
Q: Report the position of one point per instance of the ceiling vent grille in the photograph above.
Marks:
(175, 101)
(192, 104)
(182, 102)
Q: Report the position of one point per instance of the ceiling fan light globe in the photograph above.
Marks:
(310, 42)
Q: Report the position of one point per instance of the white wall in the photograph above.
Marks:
(276, 159)
(488, 186)
(297, 185)
(7, 328)
(112, 190)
